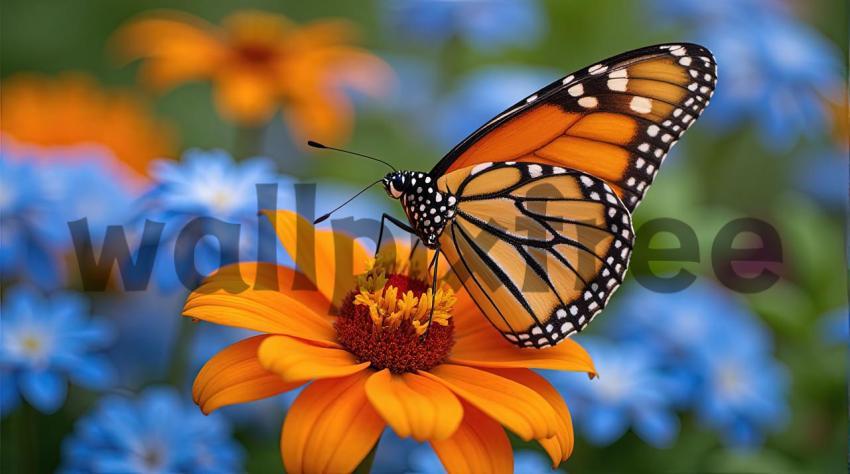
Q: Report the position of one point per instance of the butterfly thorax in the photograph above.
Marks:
(427, 209)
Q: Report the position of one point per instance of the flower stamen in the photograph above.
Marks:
(382, 321)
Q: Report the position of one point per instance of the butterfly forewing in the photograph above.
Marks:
(540, 248)
(615, 120)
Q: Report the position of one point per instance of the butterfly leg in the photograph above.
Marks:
(386, 217)
(413, 249)
(433, 290)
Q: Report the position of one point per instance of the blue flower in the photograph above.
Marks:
(41, 191)
(156, 432)
(87, 184)
(720, 353)
(774, 71)
(44, 343)
(688, 323)
(632, 390)
(481, 96)
(742, 394)
(485, 24)
(208, 184)
(30, 229)
(718, 10)
(823, 175)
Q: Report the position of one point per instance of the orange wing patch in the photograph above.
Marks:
(616, 120)
(542, 255)
(605, 127)
(600, 159)
(519, 136)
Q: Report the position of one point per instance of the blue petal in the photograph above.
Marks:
(94, 372)
(604, 425)
(9, 397)
(656, 427)
(44, 390)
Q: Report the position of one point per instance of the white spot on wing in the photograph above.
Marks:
(652, 130)
(677, 50)
(619, 84)
(641, 105)
(588, 102)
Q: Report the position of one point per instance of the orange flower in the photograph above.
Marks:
(72, 110)
(257, 62)
(369, 367)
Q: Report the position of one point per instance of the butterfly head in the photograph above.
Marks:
(396, 184)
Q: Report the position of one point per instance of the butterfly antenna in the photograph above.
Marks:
(324, 217)
(325, 147)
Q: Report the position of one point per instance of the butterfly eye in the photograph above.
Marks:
(398, 182)
(394, 184)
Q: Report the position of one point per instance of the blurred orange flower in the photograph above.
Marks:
(258, 62)
(73, 110)
(368, 367)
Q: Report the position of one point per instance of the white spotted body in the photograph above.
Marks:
(427, 209)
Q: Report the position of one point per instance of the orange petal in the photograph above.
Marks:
(295, 360)
(414, 405)
(350, 67)
(235, 375)
(259, 296)
(331, 427)
(245, 95)
(256, 27)
(479, 344)
(178, 47)
(519, 408)
(479, 445)
(330, 260)
(560, 446)
(326, 116)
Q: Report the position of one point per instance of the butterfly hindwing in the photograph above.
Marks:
(615, 120)
(540, 248)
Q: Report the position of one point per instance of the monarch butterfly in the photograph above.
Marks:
(533, 210)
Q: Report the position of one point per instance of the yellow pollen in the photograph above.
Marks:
(32, 345)
(221, 200)
(389, 310)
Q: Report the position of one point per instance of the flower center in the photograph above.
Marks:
(730, 381)
(32, 345)
(152, 458)
(385, 321)
(256, 52)
(221, 200)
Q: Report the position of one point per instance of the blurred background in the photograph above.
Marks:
(119, 112)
